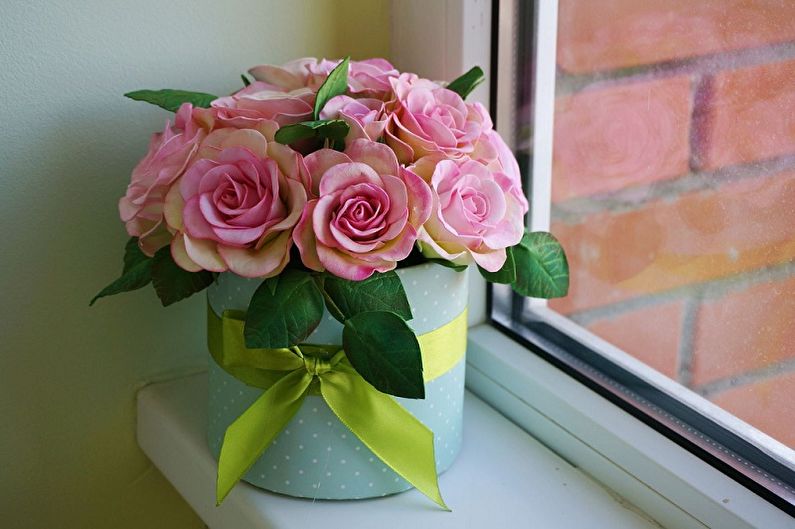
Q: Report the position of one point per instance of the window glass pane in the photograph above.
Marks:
(673, 192)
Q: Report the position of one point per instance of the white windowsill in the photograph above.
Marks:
(673, 486)
(503, 478)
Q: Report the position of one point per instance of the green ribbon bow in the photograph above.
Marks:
(287, 375)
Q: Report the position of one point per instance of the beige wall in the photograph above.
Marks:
(68, 374)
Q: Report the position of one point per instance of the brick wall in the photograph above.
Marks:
(674, 191)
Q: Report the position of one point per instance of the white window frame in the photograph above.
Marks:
(645, 468)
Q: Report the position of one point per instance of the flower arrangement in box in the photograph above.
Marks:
(331, 209)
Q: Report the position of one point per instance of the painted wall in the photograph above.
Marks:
(68, 374)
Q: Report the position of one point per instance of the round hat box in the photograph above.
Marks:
(316, 456)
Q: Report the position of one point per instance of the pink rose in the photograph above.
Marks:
(368, 214)
(260, 106)
(368, 78)
(236, 205)
(496, 154)
(492, 152)
(141, 208)
(300, 73)
(365, 116)
(476, 215)
(429, 119)
(372, 78)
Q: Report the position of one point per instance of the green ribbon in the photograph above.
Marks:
(287, 375)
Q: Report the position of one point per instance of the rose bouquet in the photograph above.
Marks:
(317, 180)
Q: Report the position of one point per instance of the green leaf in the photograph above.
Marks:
(246, 82)
(133, 256)
(320, 279)
(542, 270)
(137, 272)
(379, 292)
(385, 352)
(272, 282)
(505, 275)
(292, 133)
(285, 316)
(171, 282)
(172, 99)
(464, 85)
(335, 84)
(333, 129)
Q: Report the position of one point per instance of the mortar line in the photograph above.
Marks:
(684, 356)
(703, 64)
(749, 377)
(637, 197)
(705, 290)
(699, 126)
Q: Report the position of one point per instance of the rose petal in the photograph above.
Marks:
(343, 265)
(398, 198)
(180, 255)
(421, 202)
(291, 164)
(431, 249)
(267, 261)
(154, 238)
(172, 208)
(490, 261)
(220, 139)
(403, 151)
(321, 161)
(276, 76)
(296, 199)
(377, 155)
(341, 176)
(195, 224)
(204, 253)
(304, 238)
(441, 134)
(191, 180)
(343, 241)
(323, 211)
(399, 246)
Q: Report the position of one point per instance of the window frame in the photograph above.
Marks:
(669, 410)
(573, 417)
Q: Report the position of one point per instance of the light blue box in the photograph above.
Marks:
(316, 456)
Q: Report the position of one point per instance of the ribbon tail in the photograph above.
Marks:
(385, 427)
(251, 433)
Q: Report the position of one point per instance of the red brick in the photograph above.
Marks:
(609, 34)
(703, 235)
(750, 115)
(744, 331)
(610, 137)
(650, 334)
(766, 405)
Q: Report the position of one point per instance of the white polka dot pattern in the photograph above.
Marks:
(316, 456)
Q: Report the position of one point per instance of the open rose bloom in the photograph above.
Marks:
(293, 200)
